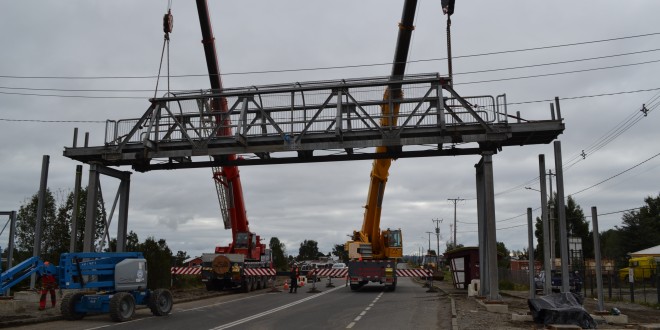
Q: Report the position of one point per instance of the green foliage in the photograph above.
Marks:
(506, 285)
(451, 246)
(186, 282)
(309, 250)
(180, 258)
(503, 260)
(278, 249)
(576, 226)
(56, 227)
(339, 250)
(641, 229)
(159, 261)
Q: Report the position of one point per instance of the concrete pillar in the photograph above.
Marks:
(491, 238)
(547, 256)
(561, 211)
(74, 215)
(92, 200)
(41, 205)
(481, 230)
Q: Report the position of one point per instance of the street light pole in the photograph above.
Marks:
(437, 239)
(429, 232)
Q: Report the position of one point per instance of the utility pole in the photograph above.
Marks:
(455, 200)
(437, 241)
(437, 234)
(429, 232)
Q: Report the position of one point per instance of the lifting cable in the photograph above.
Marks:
(448, 9)
(168, 24)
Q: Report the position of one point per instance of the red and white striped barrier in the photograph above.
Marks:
(329, 272)
(344, 272)
(259, 271)
(412, 273)
(186, 270)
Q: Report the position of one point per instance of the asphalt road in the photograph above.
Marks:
(409, 307)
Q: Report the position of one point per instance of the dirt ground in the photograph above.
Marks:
(472, 315)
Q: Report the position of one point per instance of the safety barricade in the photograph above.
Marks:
(186, 270)
(259, 271)
(413, 273)
(329, 272)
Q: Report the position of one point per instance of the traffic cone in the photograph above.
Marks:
(286, 285)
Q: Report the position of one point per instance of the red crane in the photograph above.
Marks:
(227, 178)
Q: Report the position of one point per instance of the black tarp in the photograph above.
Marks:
(560, 308)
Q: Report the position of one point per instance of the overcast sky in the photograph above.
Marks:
(324, 201)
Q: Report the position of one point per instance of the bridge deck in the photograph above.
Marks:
(313, 122)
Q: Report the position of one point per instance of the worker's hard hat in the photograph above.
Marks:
(46, 263)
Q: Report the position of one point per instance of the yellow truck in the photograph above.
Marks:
(643, 268)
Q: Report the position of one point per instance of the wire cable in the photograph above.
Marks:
(340, 66)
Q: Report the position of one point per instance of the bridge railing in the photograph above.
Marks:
(292, 113)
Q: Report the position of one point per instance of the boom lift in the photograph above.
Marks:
(245, 261)
(373, 254)
(107, 282)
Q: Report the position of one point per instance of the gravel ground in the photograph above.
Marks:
(472, 315)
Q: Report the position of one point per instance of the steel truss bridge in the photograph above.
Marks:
(313, 122)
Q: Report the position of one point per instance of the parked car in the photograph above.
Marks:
(339, 265)
(574, 281)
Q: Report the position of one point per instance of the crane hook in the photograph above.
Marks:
(168, 23)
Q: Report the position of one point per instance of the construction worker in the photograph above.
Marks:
(48, 284)
(294, 280)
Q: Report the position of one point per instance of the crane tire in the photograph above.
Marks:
(68, 306)
(160, 302)
(122, 306)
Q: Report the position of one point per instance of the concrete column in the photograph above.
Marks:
(561, 211)
(530, 234)
(74, 215)
(599, 269)
(92, 200)
(547, 256)
(481, 230)
(41, 205)
(491, 238)
(489, 247)
(122, 223)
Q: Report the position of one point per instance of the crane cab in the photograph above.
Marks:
(392, 243)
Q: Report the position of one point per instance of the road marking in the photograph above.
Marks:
(177, 311)
(359, 317)
(277, 309)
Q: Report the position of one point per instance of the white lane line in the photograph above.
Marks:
(277, 309)
(176, 311)
(364, 312)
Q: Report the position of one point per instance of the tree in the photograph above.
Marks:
(641, 229)
(503, 259)
(180, 258)
(26, 220)
(451, 246)
(309, 250)
(278, 249)
(159, 261)
(340, 252)
(576, 226)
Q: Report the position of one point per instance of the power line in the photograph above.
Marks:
(53, 121)
(463, 73)
(556, 73)
(584, 96)
(614, 176)
(340, 66)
